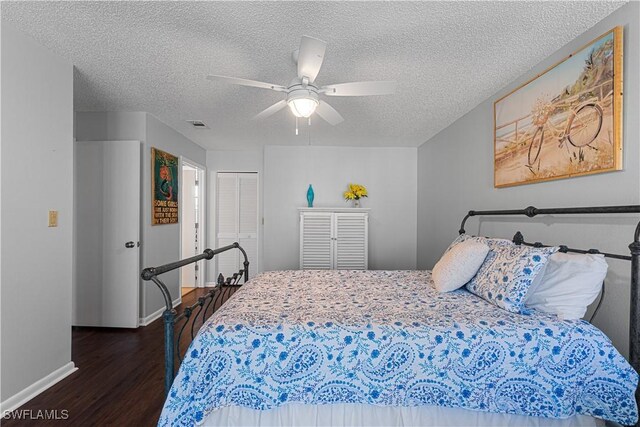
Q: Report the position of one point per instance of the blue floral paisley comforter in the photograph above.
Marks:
(388, 338)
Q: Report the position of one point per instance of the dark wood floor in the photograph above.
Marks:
(119, 381)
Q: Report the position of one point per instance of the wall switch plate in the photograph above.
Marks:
(53, 218)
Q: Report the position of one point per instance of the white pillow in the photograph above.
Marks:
(458, 265)
(568, 285)
(488, 240)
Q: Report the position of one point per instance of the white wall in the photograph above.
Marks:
(37, 175)
(161, 243)
(110, 126)
(455, 174)
(231, 161)
(388, 173)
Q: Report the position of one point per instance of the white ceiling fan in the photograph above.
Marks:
(302, 95)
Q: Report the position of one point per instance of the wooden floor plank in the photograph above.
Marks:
(120, 377)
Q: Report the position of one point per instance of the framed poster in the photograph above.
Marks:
(164, 187)
(566, 121)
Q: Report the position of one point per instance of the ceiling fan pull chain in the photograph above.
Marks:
(296, 126)
(309, 121)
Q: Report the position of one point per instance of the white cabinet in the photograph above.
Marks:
(334, 239)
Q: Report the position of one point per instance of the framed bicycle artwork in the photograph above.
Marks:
(565, 122)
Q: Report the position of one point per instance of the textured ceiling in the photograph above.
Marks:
(446, 56)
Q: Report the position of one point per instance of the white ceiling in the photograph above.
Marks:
(446, 56)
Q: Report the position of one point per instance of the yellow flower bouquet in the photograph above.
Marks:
(355, 193)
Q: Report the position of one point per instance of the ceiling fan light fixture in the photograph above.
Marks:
(303, 107)
(302, 93)
(303, 101)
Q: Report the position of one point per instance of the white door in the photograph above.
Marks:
(107, 182)
(248, 219)
(316, 241)
(188, 224)
(226, 218)
(237, 220)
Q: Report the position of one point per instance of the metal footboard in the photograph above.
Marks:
(186, 320)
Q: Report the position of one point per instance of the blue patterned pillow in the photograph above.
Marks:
(507, 273)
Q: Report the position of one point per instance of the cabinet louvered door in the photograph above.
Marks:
(351, 241)
(316, 241)
(237, 220)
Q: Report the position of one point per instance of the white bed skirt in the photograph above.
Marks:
(368, 415)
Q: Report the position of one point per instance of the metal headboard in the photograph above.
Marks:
(634, 247)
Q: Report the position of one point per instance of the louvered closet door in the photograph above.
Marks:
(248, 219)
(351, 231)
(237, 220)
(316, 244)
(227, 222)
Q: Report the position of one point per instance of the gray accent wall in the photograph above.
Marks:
(389, 174)
(455, 174)
(37, 176)
(284, 174)
(160, 244)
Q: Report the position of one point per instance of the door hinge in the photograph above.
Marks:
(197, 182)
(197, 225)
(197, 267)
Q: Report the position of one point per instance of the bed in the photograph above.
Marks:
(383, 347)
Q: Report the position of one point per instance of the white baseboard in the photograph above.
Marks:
(210, 284)
(144, 321)
(22, 397)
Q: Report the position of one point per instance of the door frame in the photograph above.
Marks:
(202, 228)
(214, 216)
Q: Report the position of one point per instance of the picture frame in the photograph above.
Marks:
(164, 188)
(566, 121)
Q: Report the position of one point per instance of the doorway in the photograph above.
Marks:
(191, 224)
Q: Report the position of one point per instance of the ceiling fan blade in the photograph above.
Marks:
(245, 82)
(329, 114)
(310, 57)
(360, 89)
(270, 110)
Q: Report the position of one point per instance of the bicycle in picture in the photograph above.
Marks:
(579, 129)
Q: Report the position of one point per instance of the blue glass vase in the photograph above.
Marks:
(310, 196)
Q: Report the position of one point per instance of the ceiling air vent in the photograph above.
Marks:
(198, 124)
